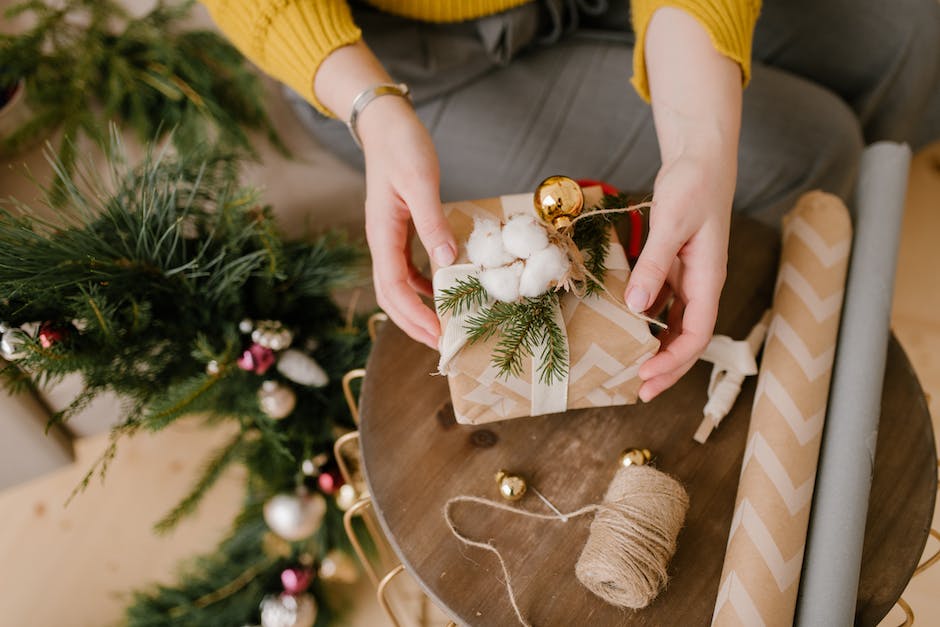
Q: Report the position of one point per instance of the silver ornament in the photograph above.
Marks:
(295, 516)
(338, 566)
(11, 344)
(272, 334)
(276, 400)
(301, 369)
(288, 610)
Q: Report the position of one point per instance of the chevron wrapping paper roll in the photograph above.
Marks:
(606, 344)
(764, 557)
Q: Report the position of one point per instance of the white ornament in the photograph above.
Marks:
(524, 235)
(272, 334)
(485, 245)
(288, 610)
(11, 344)
(301, 368)
(544, 270)
(346, 497)
(246, 325)
(503, 283)
(276, 400)
(295, 516)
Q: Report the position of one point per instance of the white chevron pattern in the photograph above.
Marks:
(821, 308)
(762, 453)
(812, 367)
(785, 571)
(828, 255)
(805, 429)
(734, 591)
(764, 558)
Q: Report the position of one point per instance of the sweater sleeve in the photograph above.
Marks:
(729, 23)
(287, 39)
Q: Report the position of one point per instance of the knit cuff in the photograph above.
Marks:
(287, 39)
(729, 24)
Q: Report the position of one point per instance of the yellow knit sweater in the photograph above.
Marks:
(289, 39)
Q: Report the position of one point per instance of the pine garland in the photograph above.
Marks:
(88, 62)
(147, 274)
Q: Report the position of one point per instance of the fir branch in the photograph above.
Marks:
(211, 473)
(149, 72)
(521, 328)
(465, 294)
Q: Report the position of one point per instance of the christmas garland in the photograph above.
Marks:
(86, 63)
(168, 284)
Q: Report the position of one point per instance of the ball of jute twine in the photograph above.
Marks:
(632, 537)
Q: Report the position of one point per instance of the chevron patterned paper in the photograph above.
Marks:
(761, 573)
(606, 344)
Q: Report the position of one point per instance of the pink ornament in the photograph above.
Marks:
(296, 579)
(50, 335)
(329, 482)
(257, 359)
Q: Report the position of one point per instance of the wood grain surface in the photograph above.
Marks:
(416, 458)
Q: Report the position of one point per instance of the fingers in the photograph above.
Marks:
(651, 269)
(425, 205)
(395, 278)
(694, 325)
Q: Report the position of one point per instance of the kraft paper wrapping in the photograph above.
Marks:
(606, 344)
(829, 589)
(761, 574)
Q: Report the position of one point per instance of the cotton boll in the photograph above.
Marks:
(485, 245)
(523, 235)
(544, 269)
(502, 283)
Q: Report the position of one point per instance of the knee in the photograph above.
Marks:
(796, 136)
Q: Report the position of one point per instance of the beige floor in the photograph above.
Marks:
(74, 566)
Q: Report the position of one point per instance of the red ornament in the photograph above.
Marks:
(256, 359)
(50, 335)
(296, 579)
(329, 481)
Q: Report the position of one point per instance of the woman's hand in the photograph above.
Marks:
(403, 196)
(402, 187)
(696, 98)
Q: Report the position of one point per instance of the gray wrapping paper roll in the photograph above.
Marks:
(831, 566)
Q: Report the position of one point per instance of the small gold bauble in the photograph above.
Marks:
(558, 199)
(635, 457)
(511, 487)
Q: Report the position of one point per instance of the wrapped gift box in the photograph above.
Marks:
(606, 343)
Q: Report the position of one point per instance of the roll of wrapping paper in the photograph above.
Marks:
(761, 573)
(834, 551)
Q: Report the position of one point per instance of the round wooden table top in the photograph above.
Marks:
(416, 457)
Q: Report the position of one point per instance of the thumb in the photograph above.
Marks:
(432, 227)
(651, 269)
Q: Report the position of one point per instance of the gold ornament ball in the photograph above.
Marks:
(511, 487)
(635, 457)
(339, 567)
(558, 199)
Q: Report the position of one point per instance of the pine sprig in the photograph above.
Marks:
(465, 294)
(522, 327)
(87, 62)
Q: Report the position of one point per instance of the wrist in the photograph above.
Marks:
(383, 116)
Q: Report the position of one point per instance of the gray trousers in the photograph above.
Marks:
(543, 90)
